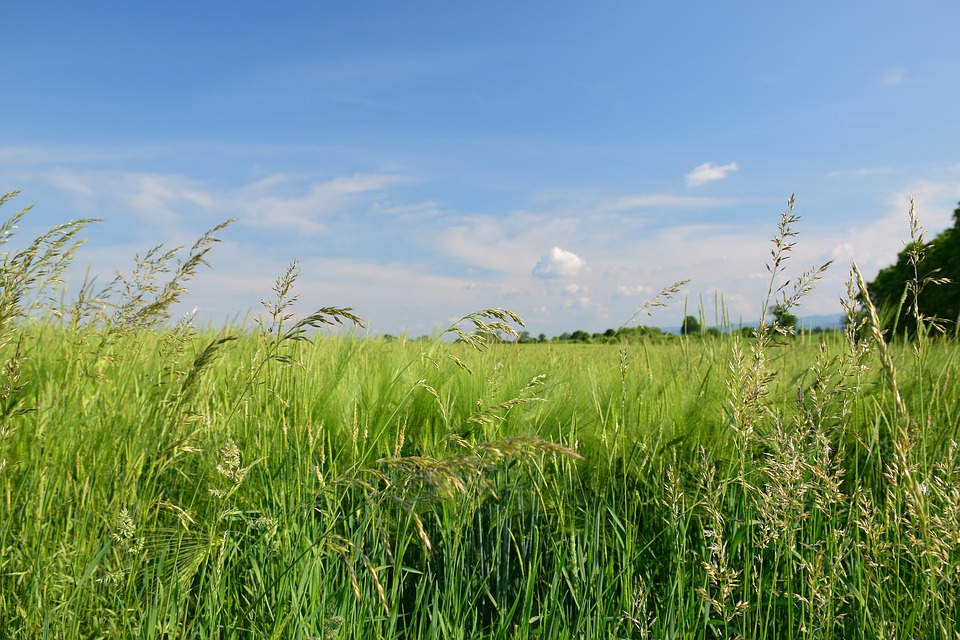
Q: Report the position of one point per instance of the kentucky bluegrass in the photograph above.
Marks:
(282, 481)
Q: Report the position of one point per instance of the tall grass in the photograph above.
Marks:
(282, 482)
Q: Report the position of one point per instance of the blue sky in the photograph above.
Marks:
(424, 160)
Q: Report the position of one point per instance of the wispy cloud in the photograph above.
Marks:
(413, 211)
(151, 197)
(862, 172)
(280, 202)
(263, 205)
(708, 172)
(665, 201)
(558, 263)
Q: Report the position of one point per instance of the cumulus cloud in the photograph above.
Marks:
(708, 171)
(558, 263)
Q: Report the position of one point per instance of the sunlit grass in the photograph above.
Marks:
(164, 482)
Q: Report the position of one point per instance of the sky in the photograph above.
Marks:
(425, 160)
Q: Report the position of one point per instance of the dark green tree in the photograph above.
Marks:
(921, 283)
(783, 320)
(690, 325)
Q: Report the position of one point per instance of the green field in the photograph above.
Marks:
(167, 482)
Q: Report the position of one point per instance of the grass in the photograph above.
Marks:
(160, 481)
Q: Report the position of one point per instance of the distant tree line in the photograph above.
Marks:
(626, 334)
(691, 327)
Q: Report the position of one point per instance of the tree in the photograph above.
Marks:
(922, 282)
(690, 325)
(783, 320)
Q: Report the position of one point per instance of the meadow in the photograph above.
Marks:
(284, 481)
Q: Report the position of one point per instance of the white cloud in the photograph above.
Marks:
(278, 201)
(484, 241)
(583, 302)
(153, 198)
(262, 205)
(632, 292)
(559, 263)
(843, 253)
(708, 171)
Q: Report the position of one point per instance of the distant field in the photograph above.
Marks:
(361, 488)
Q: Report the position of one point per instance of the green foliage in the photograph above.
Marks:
(920, 289)
(28, 279)
(691, 326)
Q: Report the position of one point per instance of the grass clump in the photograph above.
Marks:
(284, 482)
